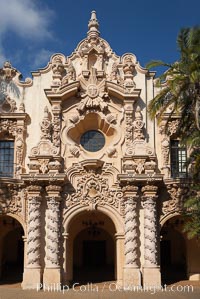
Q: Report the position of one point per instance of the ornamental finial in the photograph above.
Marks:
(93, 26)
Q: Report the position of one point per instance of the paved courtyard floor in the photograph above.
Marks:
(107, 290)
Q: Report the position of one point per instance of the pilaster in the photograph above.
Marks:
(119, 238)
(66, 277)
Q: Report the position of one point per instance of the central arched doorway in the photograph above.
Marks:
(173, 257)
(92, 248)
(93, 255)
(11, 250)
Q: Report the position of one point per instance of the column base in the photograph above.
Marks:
(52, 279)
(32, 279)
(151, 276)
(132, 277)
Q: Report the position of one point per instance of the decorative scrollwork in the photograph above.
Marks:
(93, 190)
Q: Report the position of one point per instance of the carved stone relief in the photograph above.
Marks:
(45, 146)
(8, 126)
(13, 125)
(139, 157)
(16, 129)
(93, 94)
(8, 105)
(128, 69)
(58, 69)
(8, 72)
(139, 165)
(172, 127)
(129, 127)
(93, 190)
(178, 192)
(138, 125)
(10, 199)
(166, 132)
(70, 75)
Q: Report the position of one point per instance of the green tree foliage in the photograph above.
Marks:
(192, 214)
(179, 90)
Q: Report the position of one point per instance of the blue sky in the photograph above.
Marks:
(32, 30)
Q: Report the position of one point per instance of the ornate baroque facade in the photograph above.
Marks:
(61, 188)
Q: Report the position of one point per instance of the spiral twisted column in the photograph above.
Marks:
(150, 231)
(34, 224)
(131, 270)
(131, 231)
(32, 271)
(52, 263)
(150, 236)
(52, 231)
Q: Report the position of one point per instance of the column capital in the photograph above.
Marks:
(149, 191)
(119, 236)
(34, 191)
(130, 191)
(56, 107)
(53, 190)
(65, 235)
(24, 238)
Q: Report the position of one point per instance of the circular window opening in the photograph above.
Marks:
(92, 141)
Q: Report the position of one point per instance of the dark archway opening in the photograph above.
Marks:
(93, 256)
(173, 252)
(11, 251)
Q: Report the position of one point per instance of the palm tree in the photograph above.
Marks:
(179, 94)
(180, 84)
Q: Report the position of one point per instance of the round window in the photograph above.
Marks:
(92, 141)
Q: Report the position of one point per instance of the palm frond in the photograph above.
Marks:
(155, 63)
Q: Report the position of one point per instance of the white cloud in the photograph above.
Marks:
(41, 58)
(26, 19)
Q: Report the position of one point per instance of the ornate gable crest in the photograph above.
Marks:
(93, 94)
